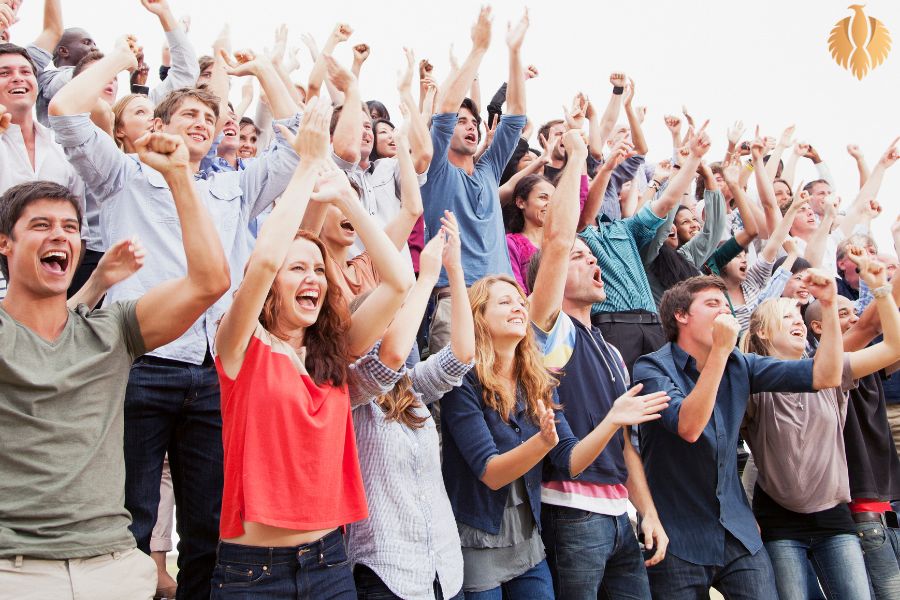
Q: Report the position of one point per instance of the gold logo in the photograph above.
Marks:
(859, 43)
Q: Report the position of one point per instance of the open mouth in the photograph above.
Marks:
(516, 321)
(18, 91)
(229, 131)
(471, 138)
(346, 225)
(596, 277)
(798, 332)
(55, 261)
(803, 294)
(308, 299)
(197, 137)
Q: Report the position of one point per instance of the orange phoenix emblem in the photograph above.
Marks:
(859, 43)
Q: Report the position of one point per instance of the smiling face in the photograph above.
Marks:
(18, 84)
(368, 138)
(796, 288)
(247, 147)
(534, 208)
(686, 225)
(465, 134)
(195, 122)
(44, 248)
(300, 286)
(584, 281)
(505, 312)
(787, 336)
(135, 120)
(230, 140)
(782, 193)
(384, 141)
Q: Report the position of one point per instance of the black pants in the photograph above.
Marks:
(633, 333)
(370, 587)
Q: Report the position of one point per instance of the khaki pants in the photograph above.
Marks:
(128, 575)
(893, 416)
(161, 539)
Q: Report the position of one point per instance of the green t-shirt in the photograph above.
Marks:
(62, 468)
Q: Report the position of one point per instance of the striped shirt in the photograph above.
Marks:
(617, 247)
(410, 535)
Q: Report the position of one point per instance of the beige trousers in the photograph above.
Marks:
(161, 538)
(127, 575)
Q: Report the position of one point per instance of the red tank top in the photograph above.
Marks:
(290, 450)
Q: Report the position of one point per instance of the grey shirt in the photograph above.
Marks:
(797, 440)
(62, 493)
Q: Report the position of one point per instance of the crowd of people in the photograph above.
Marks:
(432, 357)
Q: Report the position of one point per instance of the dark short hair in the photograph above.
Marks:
(17, 198)
(205, 62)
(373, 155)
(381, 108)
(544, 131)
(248, 121)
(678, 299)
(165, 109)
(86, 61)
(809, 186)
(800, 265)
(470, 106)
(336, 116)
(7, 48)
(534, 265)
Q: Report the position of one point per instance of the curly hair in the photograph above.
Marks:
(327, 351)
(400, 403)
(528, 365)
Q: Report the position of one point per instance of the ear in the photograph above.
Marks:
(816, 327)
(681, 316)
(520, 204)
(157, 124)
(62, 51)
(6, 244)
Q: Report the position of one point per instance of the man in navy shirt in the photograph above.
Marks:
(690, 455)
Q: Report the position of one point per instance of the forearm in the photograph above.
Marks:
(218, 86)
(419, 136)
(770, 208)
(637, 132)
(589, 448)
(815, 249)
(630, 203)
(80, 94)
(288, 84)
(607, 122)
(475, 92)
(638, 489)
(747, 212)
(697, 407)
(863, 171)
(456, 88)
(462, 333)
(53, 26)
(506, 190)
(348, 131)
(167, 20)
(515, 88)
(829, 358)
(280, 102)
(411, 209)
(90, 293)
(389, 264)
(678, 185)
(774, 159)
(399, 338)
(594, 201)
(505, 468)
(790, 167)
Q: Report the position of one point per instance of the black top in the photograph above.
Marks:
(779, 523)
(871, 455)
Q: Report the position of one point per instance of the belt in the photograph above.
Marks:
(626, 317)
(867, 517)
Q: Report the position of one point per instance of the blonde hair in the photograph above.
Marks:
(528, 364)
(118, 110)
(766, 321)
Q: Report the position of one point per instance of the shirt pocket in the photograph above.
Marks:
(159, 203)
(225, 203)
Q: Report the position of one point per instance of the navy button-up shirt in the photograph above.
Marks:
(696, 487)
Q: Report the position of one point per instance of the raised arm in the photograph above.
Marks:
(885, 353)
(861, 167)
(559, 235)
(599, 130)
(340, 33)
(184, 69)
(785, 141)
(456, 88)
(122, 260)
(515, 88)
(780, 233)
(681, 181)
(830, 354)
(261, 67)
(80, 94)
(815, 248)
(597, 189)
(634, 121)
(869, 191)
(50, 35)
(771, 212)
(207, 277)
(742, 202)
(348, 131)
(411, 209)
(275, 238)
(419, 137)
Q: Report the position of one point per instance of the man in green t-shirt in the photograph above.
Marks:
(63, 524)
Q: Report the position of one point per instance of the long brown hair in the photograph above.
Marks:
(528, 364)
(327, 354)
(400, 403)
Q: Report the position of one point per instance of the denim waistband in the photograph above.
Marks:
(239, 553)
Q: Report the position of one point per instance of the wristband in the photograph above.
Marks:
(656, 182)
(883, 291)
(618, 89)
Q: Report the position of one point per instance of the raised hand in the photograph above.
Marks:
(332, 184)
(280, 45)
(312, 141)
(787, 137)
(292, 60)
(361, 53)
(157, 7)
(854, 151)
(871, 210)
(576, 115)
(431, 255)
(575, 144)
(618, 79)
(127, 48)
(890, 155)
(673, 124)
(5, 119)
(481, 30)
(725, 332)
(222, 42)
(338, 75)
(621, 151)
(454, 62)
(801, 148)
(859, 257)
(515, 35)
(547, 422)
(820, 284)
(700, 143)
(875, 274)
(790, 246)
(122, 260)
(631, 409)
(244, 62)
(164, 152)
(341, 33)
(687, 115)
(663, 170)
(530, 72)
(310, 42)
(628, 95)
(452, 256)
(732, 173)
(735, 132)
(425, 69)
(404, 77)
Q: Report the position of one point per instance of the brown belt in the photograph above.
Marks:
(867, 517)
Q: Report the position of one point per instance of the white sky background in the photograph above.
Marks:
(764, 62)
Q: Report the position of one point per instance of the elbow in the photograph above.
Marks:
(56, 108)
(347, 152)
(467, 356)
(391, 357)
(492, 483)
(689, 435)
(422, 161)
(417, 211)
(826, 381)
(219, 283)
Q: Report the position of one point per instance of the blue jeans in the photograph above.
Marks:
(881, 550)
(589, 552)
(316, 571)
(174, 406)
(533, 584)
(837, 560)
(369, 586)
(744, 576)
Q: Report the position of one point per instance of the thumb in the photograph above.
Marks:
(286, 133)
(142, 142)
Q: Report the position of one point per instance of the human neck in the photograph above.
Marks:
(557, 163)
(803, 235)
(363, 162)
(735, 291)
(534, 233)
(465, 162)
(505, 357)
(579, 311)
(45, 316)
(697, 350)
(339, 253)
(228, 155)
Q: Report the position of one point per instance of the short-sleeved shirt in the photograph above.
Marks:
(62, 493)
(366, 277)
(290, 450)
(474, 199)
(696, 486)
(617, 247)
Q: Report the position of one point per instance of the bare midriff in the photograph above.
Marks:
(257, 534)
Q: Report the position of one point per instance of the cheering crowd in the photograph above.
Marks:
(429, 356)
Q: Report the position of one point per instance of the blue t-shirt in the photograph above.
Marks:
(474, 199)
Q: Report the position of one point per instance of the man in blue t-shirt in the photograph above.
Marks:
(469, 189)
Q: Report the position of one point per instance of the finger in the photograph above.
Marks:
(657, 556)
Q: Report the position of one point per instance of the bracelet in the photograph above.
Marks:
(618, 89)
(656, 182)
(676, 166)
(883, 291)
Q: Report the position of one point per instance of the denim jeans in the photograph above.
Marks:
(533, 584)
(881, 550)
(589, 552)
(369, 586)
(174, 406)
(837, 560)
(316, 571)
(744, 576)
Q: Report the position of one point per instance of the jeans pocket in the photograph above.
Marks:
(565, 514)
(233, 575)
(334, 556)
(872, 537)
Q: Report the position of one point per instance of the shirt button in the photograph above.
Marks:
(517, 429)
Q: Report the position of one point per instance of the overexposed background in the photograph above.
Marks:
(764, 62)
